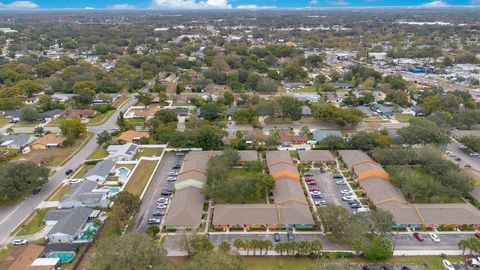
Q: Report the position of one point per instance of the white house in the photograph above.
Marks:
(122, 152)
(100, 171)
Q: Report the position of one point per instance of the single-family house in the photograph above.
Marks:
(292, 86)
(84, 194)
(70, 227)
(79, 113)
(50, 115)
(306, 111)
(14, 116)
(342, 85)
(100, 171)
(16, 141)
(383, 111)
(287, 138)
(179, 110)
(133, 136)
(48, 141)
(122, 152)
(247, 156)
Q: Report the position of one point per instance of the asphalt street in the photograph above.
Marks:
(159, 183)
(11, 216)
(466, 159)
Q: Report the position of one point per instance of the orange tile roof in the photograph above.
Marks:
(49, 139)
(131, 135)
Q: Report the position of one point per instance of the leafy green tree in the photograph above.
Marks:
(72, 129)
(38, 131)
(29, 114)
(131, 251)
(398, 97)
(224, 246)
(201, 244)
(152, 230)
(210, 111)
(334, 142)
(244, 116)
(166, 116)
(104, 138)
(290, 107)
(144, 98)
(267, 108)
(28, 87)
(379, 249)
(472, 142)
(18, 179)
(422, 131)
(228, 98)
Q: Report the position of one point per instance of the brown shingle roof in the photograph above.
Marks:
(274, 157)
(316, 156)
(241, 214)
(452, 213)
(131, 135)
(49, 139)
(186, 208)
(287, 189)
(352, 157)
(380, 190)
(248, 155)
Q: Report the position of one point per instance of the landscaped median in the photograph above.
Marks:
(137, 182)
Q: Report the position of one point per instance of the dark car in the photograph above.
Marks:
(366, 267)
(322, 170)
(477, 234)
(337, 176)
(353, 201)
(176, 167)
(308, 175)
(158, 214)
(68, 172)
(166, 192)
(276, 237)
(418, 236)
(36, 190)
(356, 206)
(290, 236)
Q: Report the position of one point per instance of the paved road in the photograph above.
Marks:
(474, 162)
(159, 182)
(13, 215)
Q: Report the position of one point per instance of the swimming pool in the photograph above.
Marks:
(65, 257)
(88, 232)
(113, 190)
(123, 172)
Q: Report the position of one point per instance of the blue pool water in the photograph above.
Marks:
(113, 190)
(89, 228)
(122, 172)
(65, 257)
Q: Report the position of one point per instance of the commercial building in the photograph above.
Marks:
(316, 157)
(381, 193)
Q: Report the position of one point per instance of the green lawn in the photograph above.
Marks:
(99, 153)
(100, 118)
(3, 121)
(27, 124)
(60, 192)
(180, 103)
(82, 171)
(136, 121)
(403, 118)
(291, 263)
(34, 223)
(140, 176)
(148, 152)
(120, 101)
(306, 89)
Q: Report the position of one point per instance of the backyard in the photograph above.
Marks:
(58, 194)
(99, 153)
(140, 176)
(148, 152)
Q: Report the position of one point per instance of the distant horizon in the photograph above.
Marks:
(173, 5)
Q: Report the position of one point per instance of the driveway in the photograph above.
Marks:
(159, 183)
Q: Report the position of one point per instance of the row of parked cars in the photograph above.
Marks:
(315, 193)
(163, 201)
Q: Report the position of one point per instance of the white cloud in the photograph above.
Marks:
(313, 2)
(122, 6)
(255, 7)
(89, 8)
(190, 4)
(19, 5)
(435, 4)
(338, 3)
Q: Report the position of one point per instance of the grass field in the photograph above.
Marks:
(403, 118)
(136, 121)
(34, 223)
(82, 171)
(98, 153)
(306, 89)
(60, 192)
(27, 124)
(140, 176)
(100, 118)
(3, 121)
(148, 152)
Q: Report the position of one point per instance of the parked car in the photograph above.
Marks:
(171, 178)
(418, 236)
(434, 237)
(276, 237)
(339, 182)
(153, 221)
(356, 206)
(344, 191)
(319, 202)
(354, 201)
(172, 173)
(308, 174)
(290, 236)
(68, 172)
(161, 205)
(19, 242)
(347, 198)
(311, 183)
(448, 265)
(473, 262)
(477, 234)
(337, 176)
(458, 159)
(158, 214)
(36, 190)
(309, 179)
(73, 181)
(313, 189)
(180, 154)
(177, 167)
(166, 192)
(474, 154)
(163, 200)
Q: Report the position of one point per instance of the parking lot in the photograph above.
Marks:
(159, 183)
(330, 190)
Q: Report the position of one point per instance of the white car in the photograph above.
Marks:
(173, 174)
(171, 178)
(161, 205)
(474, 154)
(343, 191)
(162, 201)
(19, 242)
(73, 181)
(448, 265)
(434, 237)
(315, 192)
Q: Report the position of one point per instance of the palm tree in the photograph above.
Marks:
(268, 245)
(254, 244)
(463, 244)
(280, 247)
(238, 243)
